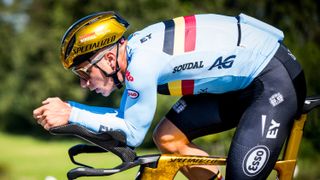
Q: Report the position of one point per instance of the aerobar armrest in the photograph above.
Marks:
(112, 141)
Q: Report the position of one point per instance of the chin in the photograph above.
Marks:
(106, 93)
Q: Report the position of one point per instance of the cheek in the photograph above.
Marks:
(106, 81)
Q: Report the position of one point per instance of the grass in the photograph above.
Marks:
(27, 158)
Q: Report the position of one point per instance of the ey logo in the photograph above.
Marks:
(272, 130)
(221, 63)
(146, 38)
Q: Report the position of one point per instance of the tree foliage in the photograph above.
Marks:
(31, 31)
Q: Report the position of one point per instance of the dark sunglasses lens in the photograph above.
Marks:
(82, 74)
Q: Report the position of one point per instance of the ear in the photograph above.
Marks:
(111, 58)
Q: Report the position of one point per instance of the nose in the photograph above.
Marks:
(84, 83)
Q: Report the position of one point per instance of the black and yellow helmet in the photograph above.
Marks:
(90, 34)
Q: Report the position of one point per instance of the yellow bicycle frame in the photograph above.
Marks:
(169, 164)
(286, 167)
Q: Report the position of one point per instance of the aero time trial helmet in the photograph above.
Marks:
(89, 34)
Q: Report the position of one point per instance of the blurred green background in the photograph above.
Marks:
(30, 71)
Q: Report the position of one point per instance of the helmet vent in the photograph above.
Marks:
(70, 46)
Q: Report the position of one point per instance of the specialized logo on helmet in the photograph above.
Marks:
(96, 45)
(255, 160)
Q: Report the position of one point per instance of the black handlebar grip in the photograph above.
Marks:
(85, 171)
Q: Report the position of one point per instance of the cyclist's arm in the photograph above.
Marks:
(135, 122)
(91, 117)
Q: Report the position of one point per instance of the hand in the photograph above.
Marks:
(53, 112)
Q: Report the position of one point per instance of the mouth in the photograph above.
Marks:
(97, 90)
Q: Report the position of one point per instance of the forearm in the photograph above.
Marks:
(99, 119)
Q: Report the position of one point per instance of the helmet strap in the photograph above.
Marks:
(114, 75)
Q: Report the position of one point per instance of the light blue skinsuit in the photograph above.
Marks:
(187, 55)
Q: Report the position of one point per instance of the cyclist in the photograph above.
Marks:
(230, 71)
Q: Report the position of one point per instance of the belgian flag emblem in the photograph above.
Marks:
(180, 35)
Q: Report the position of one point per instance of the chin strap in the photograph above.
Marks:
(115, 75)
(116, 79)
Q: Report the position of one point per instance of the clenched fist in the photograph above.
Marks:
(53, 112)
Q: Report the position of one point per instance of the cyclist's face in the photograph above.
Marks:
(96, 79)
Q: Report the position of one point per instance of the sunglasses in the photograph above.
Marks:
(83, 72)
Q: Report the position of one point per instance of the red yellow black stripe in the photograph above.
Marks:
(177, 88)
(179, 35)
